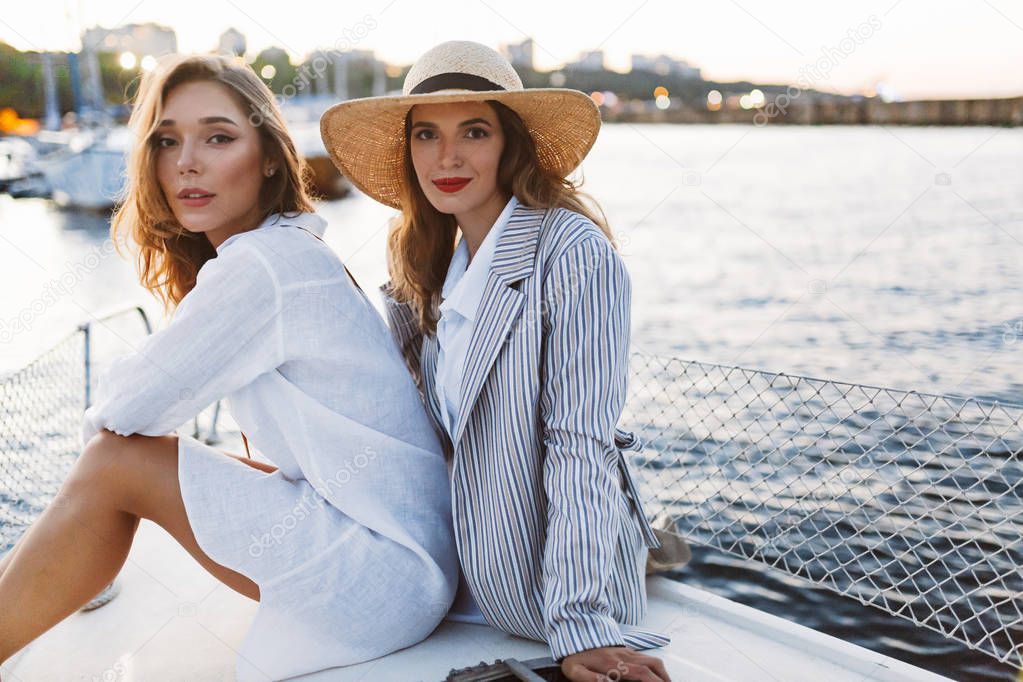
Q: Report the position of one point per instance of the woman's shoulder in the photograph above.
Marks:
(564, 230)
(290, 232)
(291, 247)
(236, 256)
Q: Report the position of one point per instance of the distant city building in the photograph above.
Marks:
(232, 41)
(663, 65)
(519, 54)
(274, 55)
(335, 72)
(589, 61)
(139, 39)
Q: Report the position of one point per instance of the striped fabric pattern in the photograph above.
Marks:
(551, 535)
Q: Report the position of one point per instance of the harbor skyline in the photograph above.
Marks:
(911, 49)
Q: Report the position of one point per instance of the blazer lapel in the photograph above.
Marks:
(500, 305)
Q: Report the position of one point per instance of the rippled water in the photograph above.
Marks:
(872, 255)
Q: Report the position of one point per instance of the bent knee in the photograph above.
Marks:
(98, 457)
(104, 440)
(109, 462)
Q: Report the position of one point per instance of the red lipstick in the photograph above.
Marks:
(451, 185)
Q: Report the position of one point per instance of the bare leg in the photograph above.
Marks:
(82, 540)
(71, 552)
(9, 557)
(262, 466)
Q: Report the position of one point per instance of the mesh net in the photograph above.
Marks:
(904, 501)
(42, 408)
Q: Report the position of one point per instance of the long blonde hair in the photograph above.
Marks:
(168, 255)
(422, 239)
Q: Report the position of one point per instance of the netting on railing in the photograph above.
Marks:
(909, 502)
(41, 407)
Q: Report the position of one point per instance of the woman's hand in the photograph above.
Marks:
(612, 664)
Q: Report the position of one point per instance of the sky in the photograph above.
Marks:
(917, 48)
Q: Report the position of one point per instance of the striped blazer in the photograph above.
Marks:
(550, 530)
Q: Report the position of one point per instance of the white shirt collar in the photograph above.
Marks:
(310, 222)
(463, 286)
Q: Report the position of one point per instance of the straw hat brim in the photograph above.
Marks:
(365, 137)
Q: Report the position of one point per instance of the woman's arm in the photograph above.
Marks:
(404, 325)
(587, 293)
(224, 334)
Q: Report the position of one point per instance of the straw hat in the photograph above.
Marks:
(366, 137)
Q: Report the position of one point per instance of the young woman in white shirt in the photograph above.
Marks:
(345, 537)
(518, 337)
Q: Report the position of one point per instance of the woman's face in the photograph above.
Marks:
(456, 149)
(210, 162)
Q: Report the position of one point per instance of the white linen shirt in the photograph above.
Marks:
(307, 364)
(317, 384)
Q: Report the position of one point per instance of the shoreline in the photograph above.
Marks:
(1006, 112)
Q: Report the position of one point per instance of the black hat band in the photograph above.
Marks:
(453, 81)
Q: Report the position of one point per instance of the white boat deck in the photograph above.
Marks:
(173, 621)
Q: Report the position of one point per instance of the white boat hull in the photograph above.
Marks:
(90, 179)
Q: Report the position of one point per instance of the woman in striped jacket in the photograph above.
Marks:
(518, 339)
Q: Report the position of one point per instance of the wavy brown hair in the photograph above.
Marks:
(168, 255)
(422, 239)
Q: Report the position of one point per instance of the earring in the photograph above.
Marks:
(270, 171)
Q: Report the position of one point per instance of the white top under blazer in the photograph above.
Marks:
(350, 541)
(461, 294)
